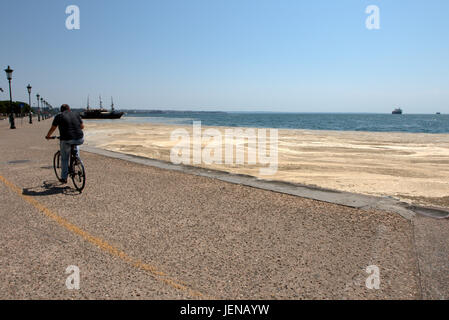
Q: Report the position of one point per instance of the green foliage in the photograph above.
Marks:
(5, 107)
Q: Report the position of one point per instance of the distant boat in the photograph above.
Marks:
(101, 113)
(438, 112)
(397, 111)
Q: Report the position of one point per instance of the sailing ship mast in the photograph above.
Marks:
(100, 113)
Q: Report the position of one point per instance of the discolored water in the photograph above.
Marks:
(314, 121)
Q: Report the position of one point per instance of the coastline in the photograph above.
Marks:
(158, 216)
(411, 167)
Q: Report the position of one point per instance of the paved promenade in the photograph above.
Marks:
(141, 232)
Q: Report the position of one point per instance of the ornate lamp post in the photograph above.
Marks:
(29, 101)
(38, 109)
(11, 115)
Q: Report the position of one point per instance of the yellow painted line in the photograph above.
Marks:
(102, 244)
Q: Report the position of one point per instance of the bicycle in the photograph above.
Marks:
(76, 167)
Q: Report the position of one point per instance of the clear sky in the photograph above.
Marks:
(231, 55)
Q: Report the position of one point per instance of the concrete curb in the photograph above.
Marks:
(348, 199)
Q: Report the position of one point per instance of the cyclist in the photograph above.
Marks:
(71, 133)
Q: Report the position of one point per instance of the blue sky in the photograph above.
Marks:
(231, 55)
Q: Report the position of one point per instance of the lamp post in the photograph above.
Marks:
(29, 101)
(42, 105)
(11, 115)
(38, 109)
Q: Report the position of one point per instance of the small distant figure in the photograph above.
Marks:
(71, 133)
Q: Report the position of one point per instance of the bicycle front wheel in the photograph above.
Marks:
(57, 164)
(79, 175)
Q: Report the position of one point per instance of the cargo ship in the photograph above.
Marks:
(101, 113)
(397, 111)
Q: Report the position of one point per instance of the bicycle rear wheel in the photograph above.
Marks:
(57, 164)
(78, 175)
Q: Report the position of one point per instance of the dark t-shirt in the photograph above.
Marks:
(69, 124)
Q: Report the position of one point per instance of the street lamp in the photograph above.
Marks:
(38, 109)
(11, 115)
(29, 101)
(42, 105)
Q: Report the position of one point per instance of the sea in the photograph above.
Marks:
(416, 123)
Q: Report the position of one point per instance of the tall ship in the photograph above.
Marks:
(101, 113)
(397, 111)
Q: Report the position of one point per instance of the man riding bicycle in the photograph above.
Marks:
(71, 133)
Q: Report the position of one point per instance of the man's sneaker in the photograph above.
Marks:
(63, 181)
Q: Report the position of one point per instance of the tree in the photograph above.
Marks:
(18, 107)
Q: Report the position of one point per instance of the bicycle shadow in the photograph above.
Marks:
(49, 188)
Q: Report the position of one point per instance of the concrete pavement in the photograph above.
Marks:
(142, 232)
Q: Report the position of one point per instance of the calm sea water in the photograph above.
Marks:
(313, 121)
